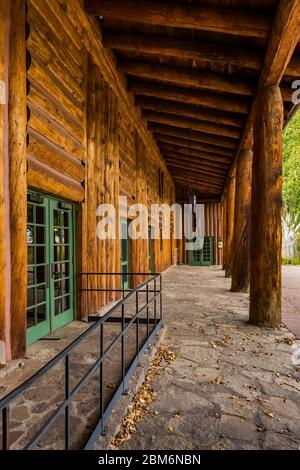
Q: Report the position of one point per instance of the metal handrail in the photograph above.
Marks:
(6, 402)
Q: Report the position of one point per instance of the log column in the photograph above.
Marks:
(230, 202)
(4, 40)
(241, 237)
(18, 177)
(266, 236)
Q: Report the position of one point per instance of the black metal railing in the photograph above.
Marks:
(139, 306)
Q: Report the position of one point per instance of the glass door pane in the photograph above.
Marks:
(38, 318)
(61, 259)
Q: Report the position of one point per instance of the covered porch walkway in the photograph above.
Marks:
(232, 385)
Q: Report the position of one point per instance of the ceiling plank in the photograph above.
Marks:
(204, 18)
(183, 95)
(194, 167)
(186, 123)
(189, 78)
(189, 111)
(193, 50)
(194, 153)
(195, 162)
(193, 145)
(193, 135)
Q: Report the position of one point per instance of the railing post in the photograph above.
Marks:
(161, 298)
(155, 311)
(137, 324)
(5, 428)
(101, 377)
(67, 397)
(147, 310)
(123, 347)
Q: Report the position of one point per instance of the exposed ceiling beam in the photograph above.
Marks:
(202, 176)
(171, 162)
(193, 135)
(189, 78)
(189, 111)
(283, 41)
(179, 48)
(186, 123)
(193, 145)
(211, 166)
(200, 17)
(207, 100)
(193, 50)
(217, 159)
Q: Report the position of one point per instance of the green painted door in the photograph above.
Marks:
(204, 257)
(124, 254)
(50, 281)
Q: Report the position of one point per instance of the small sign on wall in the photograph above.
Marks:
(220, 244)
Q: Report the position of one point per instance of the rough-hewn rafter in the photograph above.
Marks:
(193, 145)
(193, 112)
(186, 123)
(180, 76)
(205, 18)
(206, 99)
(194, 135)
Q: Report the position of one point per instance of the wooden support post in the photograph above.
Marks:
(230, 202)
(242, 213)
(266, 236)
(18, 177)
(4, 39)
(224, 231)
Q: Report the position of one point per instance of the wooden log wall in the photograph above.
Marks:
(86, 141)
(213, 214)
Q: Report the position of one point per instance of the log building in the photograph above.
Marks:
(101, 98)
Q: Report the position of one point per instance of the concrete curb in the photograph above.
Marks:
(136, 381)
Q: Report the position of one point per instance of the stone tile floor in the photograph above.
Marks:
(291, 298)
(233, 385)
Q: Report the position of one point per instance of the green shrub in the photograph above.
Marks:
(292, 261)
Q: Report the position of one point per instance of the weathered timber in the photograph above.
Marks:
(194, 164)
(230, 204)
(17, 178)
(198, 136)
(4, 47)
(192, 124)
(266, 234)
(224, 218)
(186, 145)
(193, 112)
(178, 151)
(205, 18)
(183, 95)
(179, 48)
(187, 78)
(242, 214)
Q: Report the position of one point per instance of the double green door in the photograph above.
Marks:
(204, 257)
(50, 299)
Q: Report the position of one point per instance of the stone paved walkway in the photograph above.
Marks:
(291, 298)
(233, 385)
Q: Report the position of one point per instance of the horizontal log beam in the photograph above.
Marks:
(184, 77)
(191, 162)
(183, 95)
(193, 112)
(196, 183)
(193, 135)
(204, 18)
(186, 123)
(202, 173)
(194, 152)
(183, 49)
(189, 145)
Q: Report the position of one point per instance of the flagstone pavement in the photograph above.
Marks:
(232, 385)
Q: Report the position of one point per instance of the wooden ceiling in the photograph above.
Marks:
(194, 67)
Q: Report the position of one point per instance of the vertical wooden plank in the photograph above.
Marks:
(4, 48)
(17, 180)
(241, 239)
(224, 232)
(230, 203)
(266, 204)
